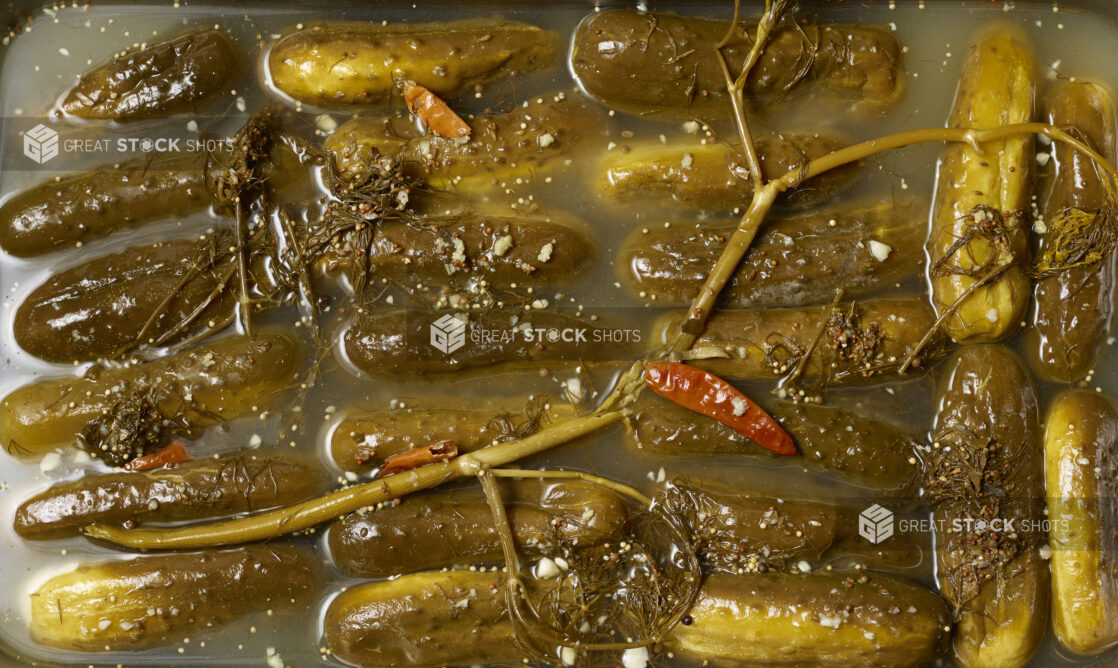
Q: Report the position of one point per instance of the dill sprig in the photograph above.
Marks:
(379, 191)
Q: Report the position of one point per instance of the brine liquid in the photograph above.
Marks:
(43, 62)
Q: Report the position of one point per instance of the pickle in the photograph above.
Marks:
(436, 530)
(364, 439)
(985, 481)
(862, 449)
(401, 342)
(359, 63)
(58, 214)
(424, 619)
(664, 64)
(528, 249)
(738, 532)
(206, 385)
(100, 307)
(150, 601)
(1081, 464)
(822, 619)
(791, 263)
(860, 342)
(163, 79)
(979, 218)
(533, 138)
(712, 176)
(1073, 306)
(201, 488)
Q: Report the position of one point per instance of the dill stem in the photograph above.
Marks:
(245, 306)
(726, 265)
(736, 87)
(620, 488)
(159, 311)
(198, 310)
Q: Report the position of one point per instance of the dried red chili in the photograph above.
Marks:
(173, 453)
(413, 459)
(708, 394)
(437, 116)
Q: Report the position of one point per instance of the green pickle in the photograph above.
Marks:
(711, 176)
(792, 262)
(357, 62)
(239, 482)
(1072, 307)
(856, 447)
(537, 137)
(436, 530)
(77, 209)
(152, 601)
(1081, 465)
(206, 385)
(822, 619)
(735, 532)
(423, 619)
(399, 342)
(532, 249)
(978, 245)
(165, 78)
(984, 474)
(665, 65)
(858, 342)
(101, 307)
(364, 439)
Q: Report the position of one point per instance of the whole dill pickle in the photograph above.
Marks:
(712, 176)
(429, 531)
(1073, 306)
(163, 79)
(202, 488)
(985, 481)
(399, 342)
(432, 619)
(59, 214)
(791, 262)
(363, 439)
(860, 448)
(533, 138)
(359, 62)
(206, 385)
(834, 619)
(1081, 465)
(151, 601)
(531, 249)
(857, 341)
(979, 219)
(735, 532)
(664, 64)
(100, 307)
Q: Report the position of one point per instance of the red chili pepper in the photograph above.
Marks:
(708, 394)
(173, 453)
(413, 459)
(436, 115)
